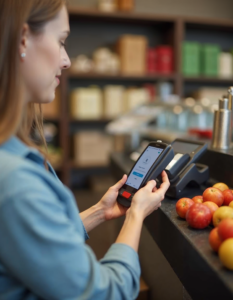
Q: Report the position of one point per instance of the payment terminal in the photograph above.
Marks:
(149, 165)
(184, 170)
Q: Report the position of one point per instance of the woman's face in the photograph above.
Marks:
(45, 58)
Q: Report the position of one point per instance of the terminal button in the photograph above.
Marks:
(126, 195)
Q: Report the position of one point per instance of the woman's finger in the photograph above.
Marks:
(120, 183)
(166, 183)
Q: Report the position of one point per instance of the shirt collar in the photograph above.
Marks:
(17, 147)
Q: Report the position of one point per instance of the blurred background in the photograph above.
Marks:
(141, 70)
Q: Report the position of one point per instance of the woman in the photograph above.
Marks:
(42, 250)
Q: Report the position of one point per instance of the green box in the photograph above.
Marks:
(210, 60)
(191, 58)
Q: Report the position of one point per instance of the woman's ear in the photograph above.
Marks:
(24, 40)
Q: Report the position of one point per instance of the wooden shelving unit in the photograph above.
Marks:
(173, 31)
(209, 79)
(112, 77)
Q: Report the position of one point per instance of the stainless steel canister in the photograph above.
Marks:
(224, 103)
(222, 129)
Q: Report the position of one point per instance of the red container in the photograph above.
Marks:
(164, 59)
(151, 60)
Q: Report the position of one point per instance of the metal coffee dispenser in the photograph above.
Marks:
(223, 121)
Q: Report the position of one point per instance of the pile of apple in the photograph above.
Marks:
(214, 207)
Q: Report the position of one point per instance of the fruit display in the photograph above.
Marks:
(213, 208)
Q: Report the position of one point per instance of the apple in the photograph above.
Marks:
(226, 253)
(198, 199)
(198, 216)
(214, 195)
(214, 239)
(221, 214)
(221, 186)
(231, 204)
(182, 206)
(225, 229)
(212, 206)
(228, 197)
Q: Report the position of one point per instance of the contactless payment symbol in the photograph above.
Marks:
(147, 160)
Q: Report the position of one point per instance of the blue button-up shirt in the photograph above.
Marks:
(43, 254)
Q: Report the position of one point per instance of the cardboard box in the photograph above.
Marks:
(132, 50)
(213, 94)
(92, 148)
(86, 103)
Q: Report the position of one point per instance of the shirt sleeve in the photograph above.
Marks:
(45, 250)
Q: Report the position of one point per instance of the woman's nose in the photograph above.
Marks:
(66, 62)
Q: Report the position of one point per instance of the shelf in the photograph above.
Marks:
(146, 77)
(208, 22)
(90, 121)
(118, 16)
(73, 165)
(89, 13)
(209, 79)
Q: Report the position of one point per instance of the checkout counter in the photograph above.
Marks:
(194, 265)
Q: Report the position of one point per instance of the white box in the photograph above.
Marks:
(136, 97)
(113, 101)
(225, 65)
(86, 103)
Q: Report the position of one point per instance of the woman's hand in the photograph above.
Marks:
(149, 198)
(111, 208)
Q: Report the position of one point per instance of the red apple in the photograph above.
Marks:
(228, 197)
(212, 206)
(214, 239)
(198, 199)
(198, 216)
(182, 206)
(225, 229)
(214, 195)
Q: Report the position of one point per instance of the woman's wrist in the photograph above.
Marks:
(134, 214)
(99, 211)
(92, 217)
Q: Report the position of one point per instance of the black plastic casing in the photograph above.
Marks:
(154, 172)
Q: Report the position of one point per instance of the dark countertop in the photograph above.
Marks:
(186, 249)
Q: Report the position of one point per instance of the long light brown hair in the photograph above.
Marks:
(16, 118)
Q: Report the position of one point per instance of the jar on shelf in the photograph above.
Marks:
(126, 5)
(107, 5)
(177, 118)
(197, 117)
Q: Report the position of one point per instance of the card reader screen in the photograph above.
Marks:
(142, 166)
(182, 147)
